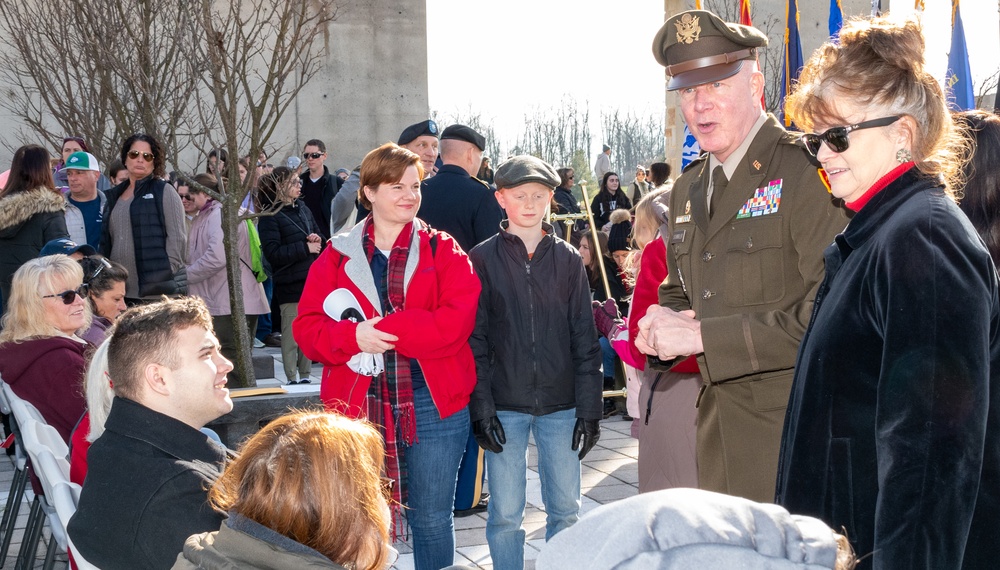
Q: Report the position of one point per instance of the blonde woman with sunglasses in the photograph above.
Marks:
(144, 228)
(42, 358)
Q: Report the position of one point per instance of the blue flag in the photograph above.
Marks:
(836, 19)
(690, 150)
(792, 62)
(959, 77)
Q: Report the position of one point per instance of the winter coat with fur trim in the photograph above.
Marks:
(28, 220)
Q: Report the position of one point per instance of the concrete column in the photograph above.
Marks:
(673, 120)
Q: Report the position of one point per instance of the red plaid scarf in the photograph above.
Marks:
(390, 395)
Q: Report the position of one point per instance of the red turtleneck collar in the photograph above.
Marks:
(893, 174)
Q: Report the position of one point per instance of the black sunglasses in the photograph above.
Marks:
(69, 296)
(312, 155)
(836, 138)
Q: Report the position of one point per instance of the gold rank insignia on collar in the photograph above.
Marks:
(756, 165)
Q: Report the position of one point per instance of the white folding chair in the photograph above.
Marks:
(23, 410)
(51, 469)
(15, 494)
(65, 497)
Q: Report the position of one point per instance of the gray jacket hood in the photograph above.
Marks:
(690, 528)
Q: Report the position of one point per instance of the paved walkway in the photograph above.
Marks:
(609, 472)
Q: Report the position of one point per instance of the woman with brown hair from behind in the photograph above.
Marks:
(305, 492)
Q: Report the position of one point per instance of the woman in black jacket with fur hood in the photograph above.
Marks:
(32, 213)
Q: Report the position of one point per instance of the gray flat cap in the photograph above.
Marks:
(523, 169)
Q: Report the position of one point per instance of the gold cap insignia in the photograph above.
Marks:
(688, 29)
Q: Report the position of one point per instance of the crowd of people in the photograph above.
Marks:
(804, 323)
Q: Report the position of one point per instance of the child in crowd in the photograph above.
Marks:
(537, 360)
(666, 438)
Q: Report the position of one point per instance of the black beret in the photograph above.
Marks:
(698, 47)
(428, 128)
(523, 169)
(464, 133)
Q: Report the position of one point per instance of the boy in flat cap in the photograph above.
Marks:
(537, 361)
(748, 224)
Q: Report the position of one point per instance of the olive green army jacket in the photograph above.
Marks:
(751, 272)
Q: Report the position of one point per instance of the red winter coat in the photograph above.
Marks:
(439, 313)
(652, 272)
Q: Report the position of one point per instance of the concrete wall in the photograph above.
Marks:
(372, 85)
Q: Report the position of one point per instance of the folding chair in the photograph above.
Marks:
(50, 469)
(17, 484)
(65, 497)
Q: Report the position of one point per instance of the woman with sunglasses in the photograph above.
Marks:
(388, 309)
(305, 492)
(144, 227)
(42, 358)
(894, 416)
(105, 281)
(32, 213)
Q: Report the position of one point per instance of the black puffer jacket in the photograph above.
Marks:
(535, 342)
(283, 240)
(28, 220)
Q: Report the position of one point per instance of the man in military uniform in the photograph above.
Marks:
(454, 200)
(748, 224)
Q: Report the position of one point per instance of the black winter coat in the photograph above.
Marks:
(146, 490)
(28, 220)
(893, 424)
(535, 342)
(321, 203)
(283, 240)
(460, 205)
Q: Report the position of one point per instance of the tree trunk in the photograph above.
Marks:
(244, 345)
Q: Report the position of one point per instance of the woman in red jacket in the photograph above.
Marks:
(388, 309)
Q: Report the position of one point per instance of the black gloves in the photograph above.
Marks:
(489, 434)
(585, 435)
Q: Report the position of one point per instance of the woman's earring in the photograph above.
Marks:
(903, 156)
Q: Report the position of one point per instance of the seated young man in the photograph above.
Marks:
(149, 472)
